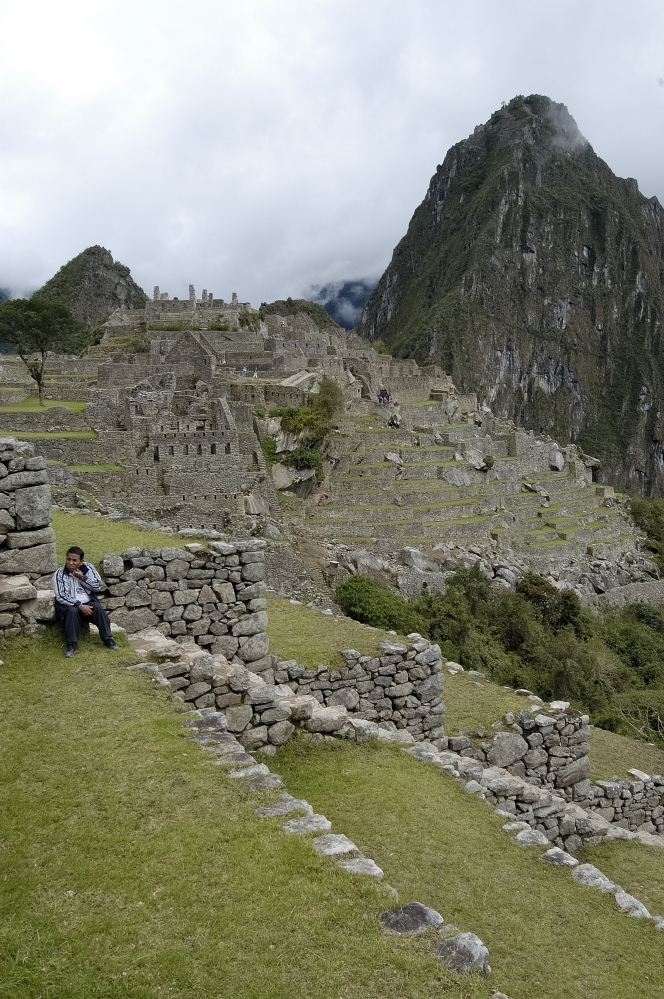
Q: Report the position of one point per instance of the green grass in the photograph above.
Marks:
(95, 468)
(31, 405)
(613, 755)
(298, 632)
(546, 935)
(98, 536)
(636, 868)
(49, 434)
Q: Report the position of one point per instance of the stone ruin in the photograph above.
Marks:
(173, 435)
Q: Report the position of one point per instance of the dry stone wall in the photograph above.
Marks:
(213, 598)
(27, 540)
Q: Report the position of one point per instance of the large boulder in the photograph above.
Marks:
(150, 644)
(327, 719)
(418, 560)
(134, 620)
(16, 588)
(506, 749)
(42, 608)
(574, 772)
(33, 507)
(463, 953)
(254, 648)
(39, 560)
(27, 539)
(112, 565)
(411, 918)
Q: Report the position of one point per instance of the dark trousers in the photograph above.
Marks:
(71, 618)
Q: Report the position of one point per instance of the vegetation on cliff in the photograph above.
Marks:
(533, 275)
(539, 638)
(92, 285)
(312, 422)
(291, 307)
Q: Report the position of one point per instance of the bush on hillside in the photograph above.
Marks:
(367, 601)
(649, 517)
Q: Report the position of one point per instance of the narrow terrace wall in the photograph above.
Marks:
(27, 541)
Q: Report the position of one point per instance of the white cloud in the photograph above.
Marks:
(263, 146)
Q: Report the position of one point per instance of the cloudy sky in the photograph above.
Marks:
(264, 146)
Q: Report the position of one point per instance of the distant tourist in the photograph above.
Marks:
(244, 371)
(394, 421)
(76, 584)
(255, 372)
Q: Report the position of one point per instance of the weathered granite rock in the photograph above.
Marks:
(530, 837)
(287, 805)
(331, 845)
(308, 824)
(238, 717)
(40, 559)
(506, 748)
(254, 648)
(327, 719)
(33, 507)
(558, 858)
(361, 865)
(411, 918)
(631, 906)
(134, 620)
(463, 953)
(280, 733)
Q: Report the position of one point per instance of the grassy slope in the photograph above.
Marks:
(31, 405)
(98, 537)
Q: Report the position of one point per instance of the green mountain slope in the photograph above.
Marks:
(93, 285)
(534, 275)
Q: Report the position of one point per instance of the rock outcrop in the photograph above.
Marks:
(534, 276)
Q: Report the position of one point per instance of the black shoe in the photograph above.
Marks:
(70, 651)
(111, 644)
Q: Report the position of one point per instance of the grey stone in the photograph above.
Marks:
(346, 696)
(238, 717)
(287, 805)
(267, 782)
(430, 688)
(258, 769)
(40, 559)
(506, 748)
(530, 837)
(26, 539)
(140, 596)
(134, 620)
(574, 772)
(196, 690)
(631, 906)
(112, 565)
(558, 858)
(42, 608)
(331, 845)
(254, 648)
(280, 733)
(225, 645)
(254, 738)
(361, 865)
(327, 719)
(308, 824)
(250, 624)
(411, 918)
(590, 877)
(281, 712)
(463, 953)
(20, 480)
(16, 588)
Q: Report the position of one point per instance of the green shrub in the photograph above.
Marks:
(489, 460)
(302, 458)
(217, 326)
(649, 517)
(269, 449)
(367, 601)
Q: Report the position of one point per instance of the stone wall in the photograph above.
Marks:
(397, 695)
(637, 805)
(211, 598)
(27, 540)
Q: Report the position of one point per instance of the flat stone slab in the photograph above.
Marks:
(411, 918)
(558, 858)
(658, 921)
(530, 837)
(287, 805)
(631, 906)
(513, 827)
(307, 824)
(265, 782)
(363, 865)
(463, 953)
(333, 844)
(234, 759)
(255, 771)
(591, 877)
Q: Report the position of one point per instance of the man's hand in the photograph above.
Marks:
(86, 609)
(77, 573)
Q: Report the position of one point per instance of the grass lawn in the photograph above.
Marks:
(31, 405)
(298, 632)
(546, 935)
(98, 536)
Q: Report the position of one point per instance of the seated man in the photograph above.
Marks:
(75, 585)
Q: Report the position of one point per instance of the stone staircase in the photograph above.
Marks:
(429, 492)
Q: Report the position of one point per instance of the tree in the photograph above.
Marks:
(39, 327)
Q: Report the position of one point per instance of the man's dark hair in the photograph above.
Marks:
(75, 550)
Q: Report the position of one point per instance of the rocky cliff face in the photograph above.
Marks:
(93, 285)
(535, 276)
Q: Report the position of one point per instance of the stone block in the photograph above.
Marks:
(506, 749)
(327, 719)
(20, 480)
(254, 572)
(161, 601)
(280, 733)
(42, 608)
(40, 559)
(574, 772)
(16, 588)
(173, 613)
(7, 522)
(112, 565)
(238, 717)
(226, 645)
(225, 592)
(207, 595)
(177, 568)
(134, 620)
(169, 554)
(192, 612)
(140, 596)
(184, 597)
(27, 539)
(347, 697)
(254, 648)
(196, 690)
(254, 738)
(430, 688)
(250, 624)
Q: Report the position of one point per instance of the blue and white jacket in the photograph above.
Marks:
(64, 584)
